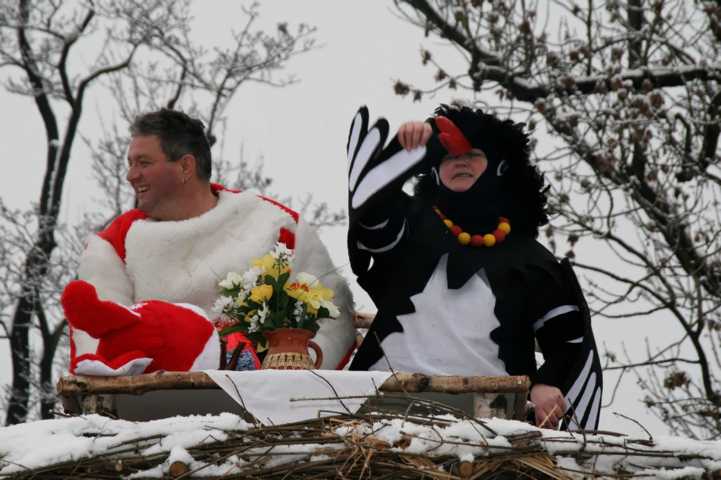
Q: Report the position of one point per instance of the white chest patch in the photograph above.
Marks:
(449, 333)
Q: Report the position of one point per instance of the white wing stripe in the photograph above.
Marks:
(560, 310)
(593, 416)
(375, 227)
(385, 173)
(387, 247)
(354, 135)
(580, 381)
(580, 411)
(370, 142)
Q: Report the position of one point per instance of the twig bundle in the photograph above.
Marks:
(331, 447)
(406, 445)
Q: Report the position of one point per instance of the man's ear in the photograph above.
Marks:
(187, 166)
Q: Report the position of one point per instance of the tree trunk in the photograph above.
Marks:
(48, 400)
(20, 354)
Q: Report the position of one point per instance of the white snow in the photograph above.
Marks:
(47, 442)
(44, 443)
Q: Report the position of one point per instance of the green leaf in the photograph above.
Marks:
(239, 327)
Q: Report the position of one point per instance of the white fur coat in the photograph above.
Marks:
(183, 261)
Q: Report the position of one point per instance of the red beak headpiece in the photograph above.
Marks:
(451, 136)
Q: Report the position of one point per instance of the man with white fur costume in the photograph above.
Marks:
(187, 234)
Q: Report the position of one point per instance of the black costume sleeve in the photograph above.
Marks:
(382, 230)
(562, 325)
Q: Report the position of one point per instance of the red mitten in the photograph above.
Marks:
(149, 336)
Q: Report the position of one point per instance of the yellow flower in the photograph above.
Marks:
(265, 262)
(318, 297)
(261, 293)
(297, 290)
(271, 266)
(321, 293)
(313, 293)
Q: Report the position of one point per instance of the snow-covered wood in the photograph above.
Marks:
(147, 397)
(366, 446)
(398, 382)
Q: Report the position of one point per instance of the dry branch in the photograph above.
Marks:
(373, 446)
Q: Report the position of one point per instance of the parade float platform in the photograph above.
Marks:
(442, 443)
(165, 394)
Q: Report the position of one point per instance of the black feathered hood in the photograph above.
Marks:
(511, 186)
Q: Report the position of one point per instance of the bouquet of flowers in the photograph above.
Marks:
(264, 298)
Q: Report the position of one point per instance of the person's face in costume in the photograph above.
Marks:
(459, 173)
(156, 180)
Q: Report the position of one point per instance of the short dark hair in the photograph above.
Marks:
(179, 134)
(508, 140)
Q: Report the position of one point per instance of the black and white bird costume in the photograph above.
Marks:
(451, 309)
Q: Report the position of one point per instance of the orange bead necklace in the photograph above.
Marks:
(475, 240)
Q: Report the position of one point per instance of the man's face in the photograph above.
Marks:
(459, 173)
(156, 180)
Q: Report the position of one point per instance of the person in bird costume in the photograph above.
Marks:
(461, 285)
(186, 234)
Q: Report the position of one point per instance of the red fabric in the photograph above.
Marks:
(451, 137)
(346, 358)
(173, 336)
(285, 208)
(116, 232)
(73, 350)
(287, 237)
(216, 187)
(82, 308)
(237, 338)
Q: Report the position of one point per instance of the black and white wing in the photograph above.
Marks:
(572, 361)
(374, 168)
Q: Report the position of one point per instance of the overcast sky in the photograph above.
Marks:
(300, 131)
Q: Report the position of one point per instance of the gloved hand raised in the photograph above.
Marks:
(375, 171)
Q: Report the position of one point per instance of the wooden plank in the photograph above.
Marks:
(417, 382)
(137, 384)
(399, 382)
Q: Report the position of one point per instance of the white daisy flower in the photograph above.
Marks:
(281, 251)
(231, 280)
(298, 311)
(221, 302)
(250, 277)
(263, 313)
(254, 324)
